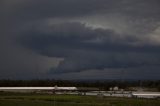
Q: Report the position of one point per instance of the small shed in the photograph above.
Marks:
(115, 88)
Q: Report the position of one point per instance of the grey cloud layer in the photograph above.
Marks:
(84, 48)
(37, 9)
(67, 29)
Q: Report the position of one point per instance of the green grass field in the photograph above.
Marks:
(19, 99)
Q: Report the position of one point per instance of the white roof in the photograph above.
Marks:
(38, 88)
(146, 93)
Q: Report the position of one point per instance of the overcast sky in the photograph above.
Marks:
(80, 39)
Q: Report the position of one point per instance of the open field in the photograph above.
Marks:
(19, 99)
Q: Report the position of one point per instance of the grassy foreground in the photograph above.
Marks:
(19, 99)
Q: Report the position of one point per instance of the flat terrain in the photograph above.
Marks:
(20, 99)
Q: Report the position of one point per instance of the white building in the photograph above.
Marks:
(115, 88)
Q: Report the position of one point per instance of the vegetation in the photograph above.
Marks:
(19, 99)
(103, 85)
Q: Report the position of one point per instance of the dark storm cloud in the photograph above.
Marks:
(84, 48)
(38, 9)
(31, 30)
(78, 36)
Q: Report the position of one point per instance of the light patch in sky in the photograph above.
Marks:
(155, 36)
(114, 22)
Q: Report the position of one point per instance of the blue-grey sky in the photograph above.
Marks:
(80, 39)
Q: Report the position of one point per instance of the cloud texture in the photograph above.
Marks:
(56, 39)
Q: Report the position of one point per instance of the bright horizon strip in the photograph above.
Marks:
(37, 88)
(145, 94)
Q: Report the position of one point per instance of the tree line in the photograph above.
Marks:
(105, 85)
